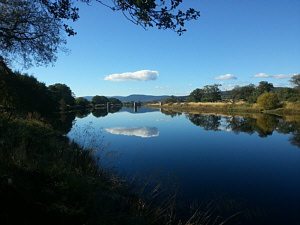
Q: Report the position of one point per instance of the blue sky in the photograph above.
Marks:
(232, 43)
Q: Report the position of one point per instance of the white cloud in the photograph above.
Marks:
(261, 75)
(142, 75)
(282, 76)
(226, 77)
(166, 87)
(144, 132)
(190, 85)
(182, 93)
(277, 77)
(227, 87)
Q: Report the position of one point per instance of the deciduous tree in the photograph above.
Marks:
(29, 33)
(114, 101)
(295, 80)
(212, 93)
(196, 95)
(82, 102)
(99, 100)
(33, 31)
(268, 100)
(262, 87)
(242, 93)
(62, 94)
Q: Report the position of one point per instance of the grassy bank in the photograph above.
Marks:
(46, 179)
(286, 108)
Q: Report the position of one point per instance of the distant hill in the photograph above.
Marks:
(136, 98)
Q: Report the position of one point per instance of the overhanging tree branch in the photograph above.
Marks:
(34, 30)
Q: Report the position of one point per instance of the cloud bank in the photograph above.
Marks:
(166, 87)
(226, 77)
(261, 75)
(144, 132)
(142, 75)
(277, 77)
(282, 76)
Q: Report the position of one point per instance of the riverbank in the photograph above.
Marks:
(45, 178)
(287, 108)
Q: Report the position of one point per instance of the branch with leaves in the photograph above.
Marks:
(33, 31)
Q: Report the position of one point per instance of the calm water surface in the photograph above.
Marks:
(254, 159)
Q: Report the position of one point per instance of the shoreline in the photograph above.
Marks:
(227, 108)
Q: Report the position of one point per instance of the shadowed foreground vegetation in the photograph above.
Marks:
(47, 179)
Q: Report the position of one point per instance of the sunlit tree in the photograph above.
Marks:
(268, 100)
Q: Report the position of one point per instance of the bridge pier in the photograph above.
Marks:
(108, 107)
(134, 107)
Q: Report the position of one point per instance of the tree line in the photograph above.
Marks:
(23, 93)
(265, 94)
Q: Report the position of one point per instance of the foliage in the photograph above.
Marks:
(82, 102)
(62, 94)
(287, 94)
(196, 95)
(29, 33)
(242, 93)
(262, 87)
(96, 100)
(24, 93)
(33, 31)
(156, 13)
(172, 99)
(295, 80)
(210, 93)
(268, 100)
(114, 101)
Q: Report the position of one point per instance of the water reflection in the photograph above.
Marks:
(62, 122)
(83, 113)
(208, 122)
(138, 109)
(144, 132)
(99, 113)
(264, 125)
(170, 113)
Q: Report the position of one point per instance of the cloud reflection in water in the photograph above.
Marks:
(144, 132)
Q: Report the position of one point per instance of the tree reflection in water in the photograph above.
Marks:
(263, 124)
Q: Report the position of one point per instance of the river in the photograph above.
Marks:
(252, 160)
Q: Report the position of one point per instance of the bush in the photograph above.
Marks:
(268, 100)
